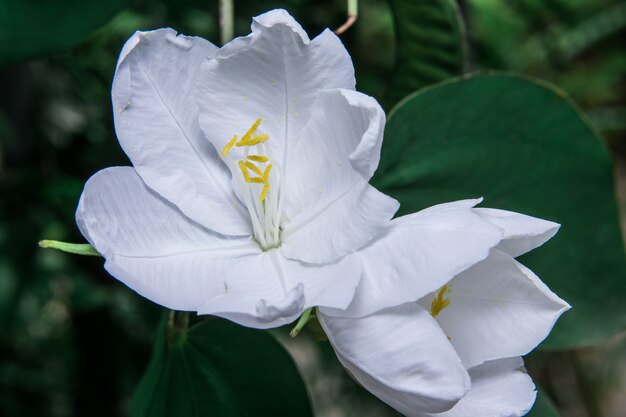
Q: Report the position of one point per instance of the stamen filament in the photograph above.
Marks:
(262, 205)
(250, 205)
(276, 196)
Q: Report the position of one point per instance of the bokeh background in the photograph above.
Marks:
(74, 341)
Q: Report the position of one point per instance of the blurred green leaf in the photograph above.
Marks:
(591, 31)
(430, 45)
(31, 28)
(218, 368)
(524, 147)
(543, 407)
(574, 44)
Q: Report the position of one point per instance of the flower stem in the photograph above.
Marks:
(75, 248)
(304, 319)
(227, 21)
(353, 12)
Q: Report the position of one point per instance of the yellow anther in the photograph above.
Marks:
(244, 171)
(251, 139)
(439, 303)
(228, 146)
(246, 137)
(266, 189)
(254, 168)
(254, 141)
(258, 158)
(266, 174)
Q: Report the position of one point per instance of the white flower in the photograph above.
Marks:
(456, 351)
(250, 174)
(249, 199)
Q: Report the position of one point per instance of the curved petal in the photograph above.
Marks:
(332, 209)
(499, 389)
(401, 356)
(419, 253)
(273, 74)
(521, 233)
(156, 124)
(497, 309)
(151, 246)
(269, 290)
(278, 17)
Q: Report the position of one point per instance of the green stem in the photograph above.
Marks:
(76, 248)
(353, 8)
(227, 21)
(304, 319)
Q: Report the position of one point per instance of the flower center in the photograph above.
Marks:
(260, 184)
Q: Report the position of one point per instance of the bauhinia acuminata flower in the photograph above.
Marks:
(249, 184)
(249, 199)
(454, 348)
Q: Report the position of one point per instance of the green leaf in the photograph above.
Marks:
(217, 368)
(543, 407)
(430, 45)
(523, 146)
(30, 28)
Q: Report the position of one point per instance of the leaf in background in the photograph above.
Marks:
(31, 28)
(220, 369)
(430, 45)
(592, 31)
(524, 147)
(543, 407)
(574, 44)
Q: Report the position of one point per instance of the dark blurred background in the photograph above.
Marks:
(74, 341)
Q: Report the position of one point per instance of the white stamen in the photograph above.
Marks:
(263, 208)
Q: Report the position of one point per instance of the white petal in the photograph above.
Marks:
(274, 290)
(419, 253)
(151, 246)
(156, 123)
(499, 389)
(401, 356)
(333, 210)
(521, 233)
(339, 228)
(498, 309)
(274, 73)
(278, 17)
